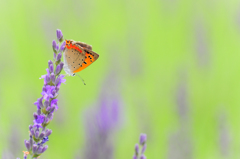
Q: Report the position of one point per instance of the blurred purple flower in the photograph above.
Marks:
(180, 142)
(142, 142)
(224, 135)
(46, 105)
(100, 126)
(143, 139)
(202, 44)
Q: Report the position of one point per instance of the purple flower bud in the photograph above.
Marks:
(35, 115)
(46, 103)
(27, 145)
(144, 148)
(39, 151)
(62, 46)
(47, 79)
(143, 157)
(52, 76)
(34, 148)
(54, 55)
(46, 119)
(44, 89)
(50, 66)
(61, 65)
(59, 68)
(142, 141)
(54, 92)
(32, 132)
(37, 133)
(59, 35)
(51, 111)
(41, 136)
(31, 140)
(48, 93)
(136, 149)
(50, 63)
(143, 138)
(44, 148)
(54, 45)
(50, 115)
(48, 109)
(57, 47)
(54, 102)
(39, 111)
(44, 140)
(38, 121)
(59, 56)
(30, 127)
(48, 132)
(38, 103)
(59, 81)
(57, 89)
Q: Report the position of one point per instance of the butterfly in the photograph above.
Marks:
(77, 56)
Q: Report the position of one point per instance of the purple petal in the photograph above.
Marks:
(54, 102)
(34, 149)
(40, 149)
(54, 45)
(27, 145)
(48, 132)
(144, 148)
(41, 136)
(59, 68)
(44, 148)
(63, 46)
(50, 66)
(59, 56)
(52, 77)
(143, 157)
(136, 149)
(143, 138)
(59, 35)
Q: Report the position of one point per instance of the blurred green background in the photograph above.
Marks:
(174, 64)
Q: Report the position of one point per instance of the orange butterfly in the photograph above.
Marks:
(77, 56)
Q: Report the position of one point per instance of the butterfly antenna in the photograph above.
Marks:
(81, 79)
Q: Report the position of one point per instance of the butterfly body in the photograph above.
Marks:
(77, 56)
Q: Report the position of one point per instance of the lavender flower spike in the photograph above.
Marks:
(142, 142)
(46, 104)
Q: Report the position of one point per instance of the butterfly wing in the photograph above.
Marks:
(90, 57)
(78, 56)
(74, 56)
(84, 45)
